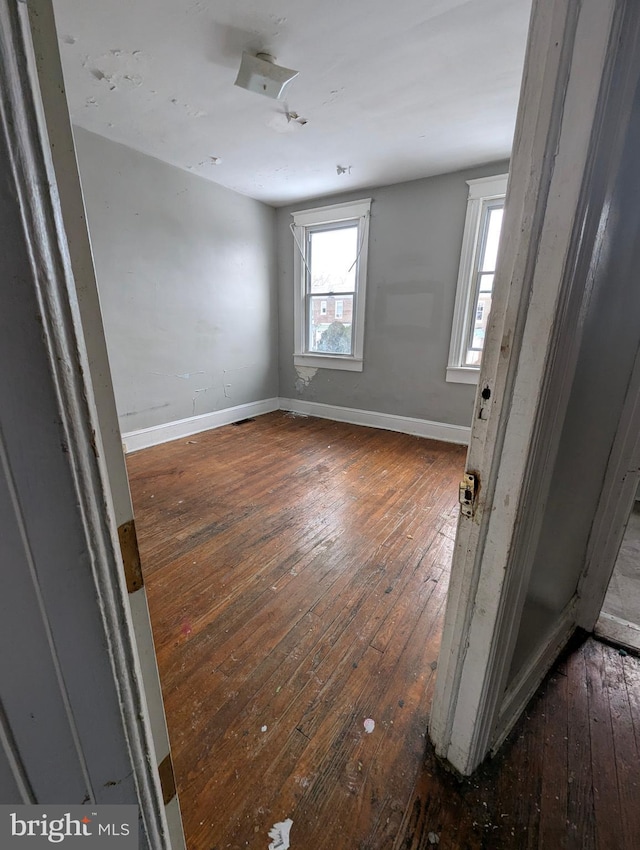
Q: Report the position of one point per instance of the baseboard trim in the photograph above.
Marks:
(133, 441)
(387, 421)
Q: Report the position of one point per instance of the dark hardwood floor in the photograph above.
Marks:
(297, 572)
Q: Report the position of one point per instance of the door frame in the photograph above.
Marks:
(57, 138)
(555, 216)
(52, 285)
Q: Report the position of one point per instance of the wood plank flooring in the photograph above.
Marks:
(297, 573)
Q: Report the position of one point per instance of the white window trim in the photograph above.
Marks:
(351, 210)
(481, 191)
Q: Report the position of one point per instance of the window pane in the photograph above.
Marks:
(494, 223)
(476, 343)
(486, 282)
(331, 332)
(332, 253)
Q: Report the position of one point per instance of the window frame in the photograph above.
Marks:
(303, 222)
(483, 193)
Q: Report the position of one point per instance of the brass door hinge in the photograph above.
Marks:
(167, 779)
(130, 556)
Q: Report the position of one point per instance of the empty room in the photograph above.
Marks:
(323, 371)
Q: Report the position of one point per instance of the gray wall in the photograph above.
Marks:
(187, 281)
(414, 253)
(196, 288)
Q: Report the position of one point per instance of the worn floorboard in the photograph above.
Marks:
(297, 572)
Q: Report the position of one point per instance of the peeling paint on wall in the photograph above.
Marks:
(195, 397)
(305, 376)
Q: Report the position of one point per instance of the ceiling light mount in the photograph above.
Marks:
(261, 75)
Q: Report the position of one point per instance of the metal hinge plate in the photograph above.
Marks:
(467, 494)
(130, 556)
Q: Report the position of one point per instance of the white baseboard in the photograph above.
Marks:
(133, 441)
(387, 421)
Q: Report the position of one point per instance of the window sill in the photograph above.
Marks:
(328, 361)
(462, 374)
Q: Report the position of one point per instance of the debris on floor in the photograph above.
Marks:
(433, 838)
(369, 725)
(279, 832)
(263, 728)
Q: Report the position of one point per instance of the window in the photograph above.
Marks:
(331, 246)
(475, 278)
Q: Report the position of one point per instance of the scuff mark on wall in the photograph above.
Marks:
(305, 376)
(225, 386)
(145, 409)
(195, 398)
(185, 375)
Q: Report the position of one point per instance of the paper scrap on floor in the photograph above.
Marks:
(279, 832)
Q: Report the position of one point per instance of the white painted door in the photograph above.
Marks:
(554, 375)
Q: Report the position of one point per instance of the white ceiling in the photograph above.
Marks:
(390, 90)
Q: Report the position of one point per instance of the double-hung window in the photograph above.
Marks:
(480, 242)
(331, 245)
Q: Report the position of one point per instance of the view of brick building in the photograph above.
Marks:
(324, 312)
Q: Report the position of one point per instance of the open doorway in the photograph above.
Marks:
(366, 729)
(619, 620)
(194, 260)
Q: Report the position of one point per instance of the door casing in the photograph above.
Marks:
(576, 101)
